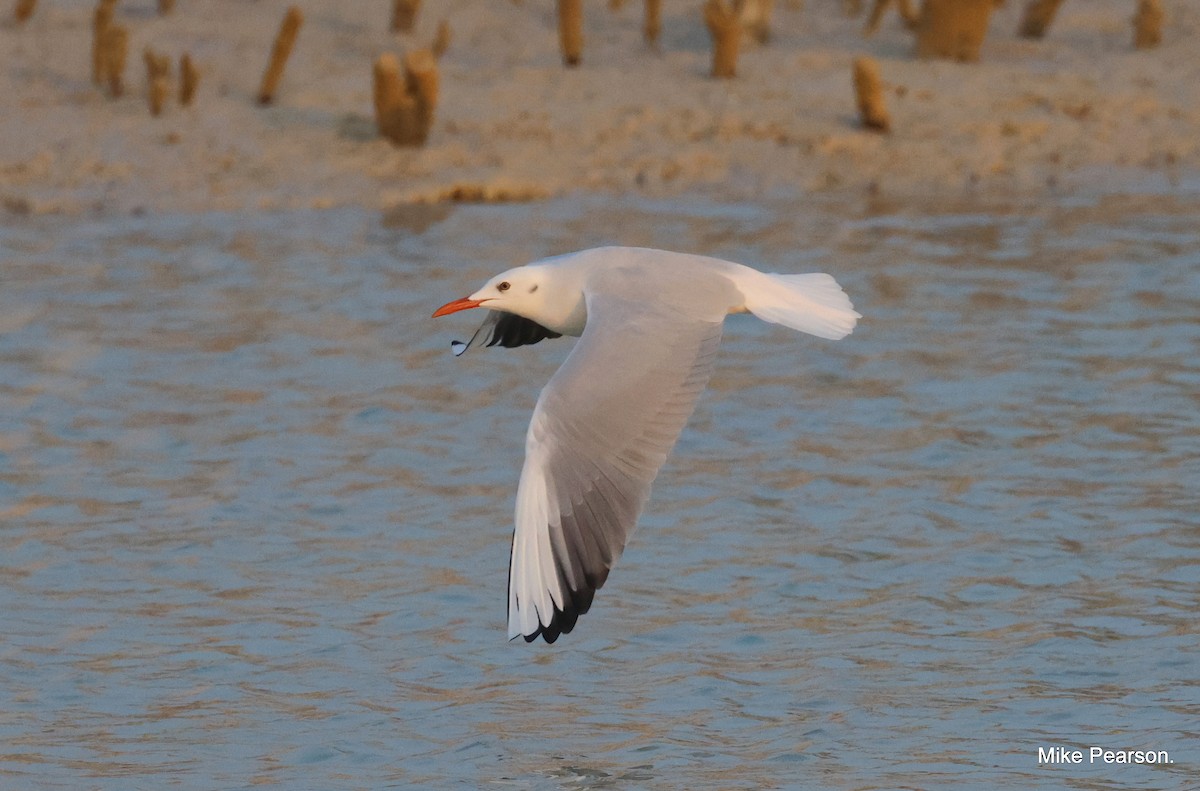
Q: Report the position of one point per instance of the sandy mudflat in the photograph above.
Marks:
(1079, 110)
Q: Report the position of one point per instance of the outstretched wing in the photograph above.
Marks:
(602, 428)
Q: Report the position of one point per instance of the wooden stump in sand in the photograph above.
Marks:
(389, 96)
(405, 103)
(953, 29)
(441, 41)
(652, 22)
(404, 15)
(24, 10)
(1037, 18)
(189, 79)
(726, 30)
(1147, 24)
(284, 41)
(875, 17)
(868, 88)
(158, 80)
(165, 7)
(570, 31)
(114, 48)
(101, 22)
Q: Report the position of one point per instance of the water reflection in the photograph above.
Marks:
(255, 517)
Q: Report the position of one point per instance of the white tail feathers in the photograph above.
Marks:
(812, 303)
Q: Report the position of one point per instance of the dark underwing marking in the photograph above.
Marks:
(512, 330)
(506, 329)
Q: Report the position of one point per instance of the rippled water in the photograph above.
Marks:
(255, 517)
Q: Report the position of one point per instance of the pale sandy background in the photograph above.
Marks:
(1079, 110)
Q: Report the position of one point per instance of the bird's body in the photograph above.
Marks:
(649, 323)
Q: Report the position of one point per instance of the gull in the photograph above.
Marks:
(648, 323)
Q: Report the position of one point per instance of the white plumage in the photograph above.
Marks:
(650, 323)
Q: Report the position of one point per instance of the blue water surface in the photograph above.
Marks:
(254, 517)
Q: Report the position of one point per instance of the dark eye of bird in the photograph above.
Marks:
(503, 286)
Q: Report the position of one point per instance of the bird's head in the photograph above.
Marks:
(518, 291)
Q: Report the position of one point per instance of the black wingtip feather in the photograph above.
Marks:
(577, 601)
(564, 620)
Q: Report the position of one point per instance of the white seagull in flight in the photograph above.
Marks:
(649, 322)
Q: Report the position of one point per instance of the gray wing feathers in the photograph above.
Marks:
(602, 428)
